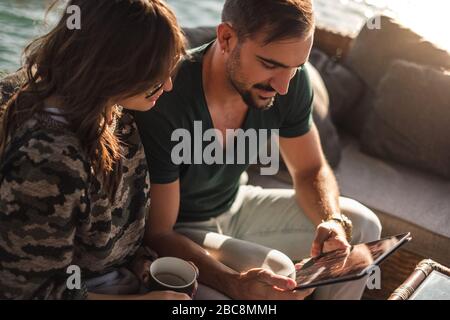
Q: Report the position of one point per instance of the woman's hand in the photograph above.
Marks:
(141, 268)
(141, 263)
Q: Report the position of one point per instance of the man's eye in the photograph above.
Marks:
(268, 66)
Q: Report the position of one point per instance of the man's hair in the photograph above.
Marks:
(279, 19)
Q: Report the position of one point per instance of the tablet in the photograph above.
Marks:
(346, 265)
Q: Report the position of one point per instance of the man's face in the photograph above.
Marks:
(260, 72)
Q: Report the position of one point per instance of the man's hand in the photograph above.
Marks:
(261, 284)
(330, 236)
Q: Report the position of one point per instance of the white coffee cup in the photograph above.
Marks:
(173, 274)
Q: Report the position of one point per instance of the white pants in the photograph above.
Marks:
(266, 228)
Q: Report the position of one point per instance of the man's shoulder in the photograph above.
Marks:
(187, 87)
(301, 82)
(190, 67)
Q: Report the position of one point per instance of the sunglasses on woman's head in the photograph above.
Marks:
(152, 92)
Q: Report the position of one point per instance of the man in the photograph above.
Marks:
(251, 77)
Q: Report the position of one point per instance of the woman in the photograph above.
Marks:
(73, 177)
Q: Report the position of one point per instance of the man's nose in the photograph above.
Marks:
(280, 82)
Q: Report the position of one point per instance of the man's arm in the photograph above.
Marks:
(315, 185)
(314, 182)
(253, 284)
(160, 236)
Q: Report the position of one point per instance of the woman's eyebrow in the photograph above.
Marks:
(276, 63)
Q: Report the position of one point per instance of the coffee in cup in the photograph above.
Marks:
(173, 274)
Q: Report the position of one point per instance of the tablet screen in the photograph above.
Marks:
(342, 265)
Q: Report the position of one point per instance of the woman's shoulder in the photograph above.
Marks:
(134, 160)
(49, 149)
(128, 132)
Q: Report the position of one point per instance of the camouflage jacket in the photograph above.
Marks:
(54, 213)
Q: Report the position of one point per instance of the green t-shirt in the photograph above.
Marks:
(208, 190)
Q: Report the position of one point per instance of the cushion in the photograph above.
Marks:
(405, 199)
(322, 118)
(344, 87)
(356, 118)
(372, 53)
(374, 49)
(200, 35)
(410, 122)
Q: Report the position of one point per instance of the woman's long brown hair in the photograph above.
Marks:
(123, 48)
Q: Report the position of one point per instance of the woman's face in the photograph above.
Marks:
(146, 100)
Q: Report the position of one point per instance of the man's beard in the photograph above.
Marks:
(249, 99)
(240, 86)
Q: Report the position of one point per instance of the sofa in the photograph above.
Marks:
(381, 105)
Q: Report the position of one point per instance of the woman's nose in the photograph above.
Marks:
(168, 85)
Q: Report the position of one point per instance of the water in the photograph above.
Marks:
(21, 20)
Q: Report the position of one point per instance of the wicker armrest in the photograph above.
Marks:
(422, 271)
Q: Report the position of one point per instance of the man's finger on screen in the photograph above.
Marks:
(323, 233)
(299, 265)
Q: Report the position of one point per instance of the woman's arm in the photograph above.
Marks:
(42, 195)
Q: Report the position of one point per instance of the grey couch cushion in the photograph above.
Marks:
(372, 53)
(322, 118)
(344, 87)
(419, 198)
(374, 50)
(200, 35)
(410, 122)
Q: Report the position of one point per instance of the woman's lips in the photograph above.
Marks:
(155, 98)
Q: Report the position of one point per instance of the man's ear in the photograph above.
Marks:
(227, 37)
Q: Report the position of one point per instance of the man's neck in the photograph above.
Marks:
(219, 91)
